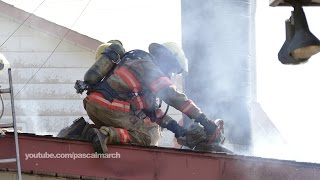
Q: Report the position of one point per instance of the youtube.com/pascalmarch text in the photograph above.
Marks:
(72, 155)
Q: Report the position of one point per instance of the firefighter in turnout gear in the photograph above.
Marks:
(122, 102)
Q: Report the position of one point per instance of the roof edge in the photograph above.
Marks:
(135, 162)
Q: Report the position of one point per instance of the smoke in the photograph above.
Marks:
(218, 42)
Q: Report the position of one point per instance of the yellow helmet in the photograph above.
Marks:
(170, 51)
(101, 49)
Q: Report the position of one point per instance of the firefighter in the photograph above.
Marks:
(123, 103)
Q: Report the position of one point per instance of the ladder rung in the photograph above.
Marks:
(10, 160)
(8, 125)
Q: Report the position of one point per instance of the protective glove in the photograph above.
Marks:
(194, 135)
(174, 127)
(207, 124)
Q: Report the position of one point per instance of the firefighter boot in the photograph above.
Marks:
(86, 136)
(100, 139)
(73, 131)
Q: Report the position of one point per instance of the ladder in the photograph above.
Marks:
(12, 125)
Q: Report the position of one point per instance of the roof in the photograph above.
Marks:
(137, 162)
(42, 24)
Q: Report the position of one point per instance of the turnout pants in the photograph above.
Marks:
(124, 127)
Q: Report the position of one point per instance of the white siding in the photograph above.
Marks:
(45, 98)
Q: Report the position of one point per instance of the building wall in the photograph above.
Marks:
(44, 70)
